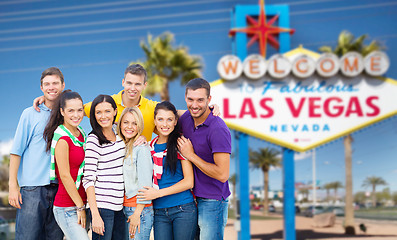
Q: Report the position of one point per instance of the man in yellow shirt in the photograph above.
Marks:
(134, 82)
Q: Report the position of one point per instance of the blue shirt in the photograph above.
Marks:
(168, 179)
(138, 172)
(212, 136)
(34, 169)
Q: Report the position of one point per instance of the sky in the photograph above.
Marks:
(92, 42)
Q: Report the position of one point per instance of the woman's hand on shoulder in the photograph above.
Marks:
(141, 140)
(215, 110)
(148, 193)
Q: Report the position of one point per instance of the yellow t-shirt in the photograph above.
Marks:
(145, 105)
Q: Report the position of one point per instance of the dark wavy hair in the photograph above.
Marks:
(51, 71)
(198, 83)
(96, 128)
(172, 143)
(56, 117)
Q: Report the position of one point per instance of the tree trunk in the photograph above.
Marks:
(164, 94)
(349, 210)
(373, 195)
(335, 194)
(234, 197)
(266, 197)
(327, 194)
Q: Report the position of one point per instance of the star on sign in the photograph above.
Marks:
(262, 31)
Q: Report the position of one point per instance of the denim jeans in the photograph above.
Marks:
(146, 223)
(179, 222)
(212, 218)
(66, 218)
(35, 219)
(114, 222)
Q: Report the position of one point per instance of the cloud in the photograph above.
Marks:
(301, 156)
(274, 168)
(5, 147)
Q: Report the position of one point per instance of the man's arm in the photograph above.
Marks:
(218, 170)
(214, 108)
(22, 137)
(14, 195)
(87, 109)
(181, 112)
(37, 101)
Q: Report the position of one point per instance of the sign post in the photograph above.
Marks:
(242, 169)
(289, 194)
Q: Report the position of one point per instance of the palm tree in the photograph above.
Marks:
(165, 63)
(373, 182)
(328, 187)
(336, 185)
(349, 209)
(4, 174)
(6, 160)
(263, 159)
(347, 43)
(305, 193)
(232, 180)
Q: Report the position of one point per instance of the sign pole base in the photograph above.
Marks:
(243, 186)
(289, 194)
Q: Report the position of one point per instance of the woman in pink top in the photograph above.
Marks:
(65, 139)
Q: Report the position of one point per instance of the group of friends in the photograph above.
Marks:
(117, 180)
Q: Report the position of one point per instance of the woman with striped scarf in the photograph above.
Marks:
(66, 139)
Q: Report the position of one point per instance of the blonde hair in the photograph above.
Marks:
(129, 143)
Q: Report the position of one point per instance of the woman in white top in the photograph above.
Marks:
(103, 171)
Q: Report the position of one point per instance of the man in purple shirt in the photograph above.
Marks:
(207, 144)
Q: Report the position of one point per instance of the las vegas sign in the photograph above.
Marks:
(301, 99)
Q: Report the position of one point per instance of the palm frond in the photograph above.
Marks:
(325, 49)
(347, 43)
(165, 63)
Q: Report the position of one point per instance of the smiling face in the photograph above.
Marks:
(133, 87)
(104, 114)
(165, 122)
(129, 126)
(51, 87)
(73, 112)
(197, 102)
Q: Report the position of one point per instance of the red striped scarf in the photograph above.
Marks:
(158, 162)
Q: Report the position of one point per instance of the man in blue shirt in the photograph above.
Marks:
(30, 189)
